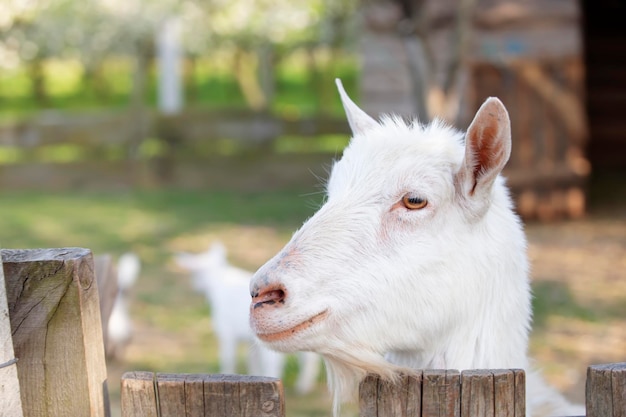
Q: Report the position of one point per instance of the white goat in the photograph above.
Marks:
(120, 327)
(416, 259)
(226, 289)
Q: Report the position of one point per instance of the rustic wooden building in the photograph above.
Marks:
(443, 58)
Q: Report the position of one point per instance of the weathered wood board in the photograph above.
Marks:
(56, 327)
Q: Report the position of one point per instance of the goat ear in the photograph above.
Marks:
(487, 149)
(358, 120)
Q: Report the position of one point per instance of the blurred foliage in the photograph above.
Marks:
(210, 86)
(73, 53)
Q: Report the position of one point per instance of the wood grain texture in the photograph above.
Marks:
(504, 392)
(138, 395)
(392, 397)
(197, 395)
(368, 396)
(437, 393)
(171, 395)
(441, 391)
(520, 392)
(477, 393)
(618, 384)
(10, 400)
(606, 390)
(57, 334)
(414, 394)
(194, 396)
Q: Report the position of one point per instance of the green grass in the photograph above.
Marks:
(141, 220)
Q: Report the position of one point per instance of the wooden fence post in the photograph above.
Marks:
(187, 395)
(55, 321)
(10, 401)
(441, 393)
(434, 393)
(606, 390)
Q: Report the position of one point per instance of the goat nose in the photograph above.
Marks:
(268, 296)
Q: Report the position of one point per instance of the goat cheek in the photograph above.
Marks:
(390, 224)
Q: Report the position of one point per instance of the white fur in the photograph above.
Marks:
(226, 289)
(446, 286)
(120, 326)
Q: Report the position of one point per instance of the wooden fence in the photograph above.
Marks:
(547, 171)
(56, 346)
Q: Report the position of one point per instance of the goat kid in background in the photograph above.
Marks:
(226, 290)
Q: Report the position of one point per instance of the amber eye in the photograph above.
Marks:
(414, 203)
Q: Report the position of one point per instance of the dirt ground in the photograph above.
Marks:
(579, 279)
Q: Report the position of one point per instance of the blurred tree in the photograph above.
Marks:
(257, 32)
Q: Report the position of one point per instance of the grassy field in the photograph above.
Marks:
(578, 272)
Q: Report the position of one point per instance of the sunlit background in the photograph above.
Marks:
(159, 126)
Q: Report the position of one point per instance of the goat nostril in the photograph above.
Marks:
(270, 296)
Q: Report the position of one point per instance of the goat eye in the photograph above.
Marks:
(414, 203)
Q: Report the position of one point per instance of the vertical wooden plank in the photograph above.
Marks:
(368, 396)
(194, 396)
(10, 401)
(504, 392)
(432, 381)
(232, 403)
(598, 391)
(453, 393)
(55, 321)
(243, 396)
(520, 393)
(138, 396)
(171, 394)
(214, 396)
(261, 396)
(440, 393)
(414, 395)
(477, 396)
(392, 397)
(618, 384)
(606, 390)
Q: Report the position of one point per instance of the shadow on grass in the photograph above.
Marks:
(553, 298)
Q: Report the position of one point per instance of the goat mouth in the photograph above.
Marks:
(284, 334)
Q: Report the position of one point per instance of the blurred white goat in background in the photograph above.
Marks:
(226, 288)
(120, 327)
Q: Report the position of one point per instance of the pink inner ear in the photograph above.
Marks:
(487, 150)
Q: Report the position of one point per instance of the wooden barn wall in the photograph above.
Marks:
(529, 54)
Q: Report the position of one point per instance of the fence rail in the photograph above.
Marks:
(55, 321)
(547, 172)
(159, 395)
(432, 393)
